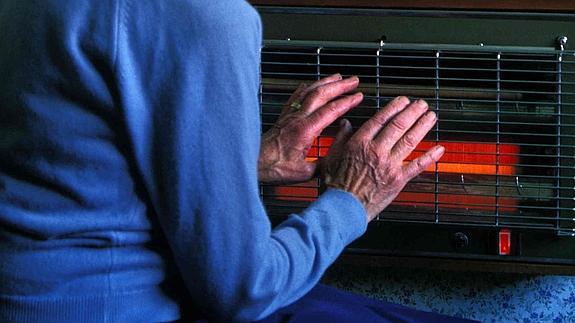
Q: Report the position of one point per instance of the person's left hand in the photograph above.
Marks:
(306, 114)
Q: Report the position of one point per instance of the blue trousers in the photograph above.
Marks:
(331, 305)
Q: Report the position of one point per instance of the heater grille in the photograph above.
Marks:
(506, 118)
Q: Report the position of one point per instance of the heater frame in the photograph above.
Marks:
(458, 243)
(525, 5)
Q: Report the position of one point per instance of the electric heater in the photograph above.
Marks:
(502, 84)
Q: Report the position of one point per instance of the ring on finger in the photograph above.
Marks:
(295, 106)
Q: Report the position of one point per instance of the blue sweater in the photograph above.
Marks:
(129, 135)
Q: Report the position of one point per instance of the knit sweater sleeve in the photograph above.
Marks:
(188, 75)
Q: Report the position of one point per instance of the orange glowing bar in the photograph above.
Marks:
(472, 158)
(459, 158)
(452, 201)
(457, 201)
(305, 192)
(320, 147)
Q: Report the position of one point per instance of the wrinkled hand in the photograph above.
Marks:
(369, 163)
(285, 146)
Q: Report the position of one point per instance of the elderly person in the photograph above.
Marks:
(130, 157)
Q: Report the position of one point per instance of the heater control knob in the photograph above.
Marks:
(460, 240)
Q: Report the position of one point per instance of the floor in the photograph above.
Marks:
(487, 297)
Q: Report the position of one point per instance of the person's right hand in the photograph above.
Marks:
(369, 163)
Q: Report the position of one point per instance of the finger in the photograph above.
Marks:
(373, 126)
(328, 113)
(297, 96)
(344, 133)
(401, 123)
(418, 165)
(309, 167)
(413, 137)
(303, 89)
(327, 92)
(326, 80)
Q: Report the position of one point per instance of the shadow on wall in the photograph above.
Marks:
(488, 297)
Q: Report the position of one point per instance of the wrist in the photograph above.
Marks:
(363, 200)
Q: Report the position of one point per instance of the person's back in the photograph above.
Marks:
(79, 238)
(130, 145)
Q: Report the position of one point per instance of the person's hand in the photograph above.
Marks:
(306, 114)
(370, 163)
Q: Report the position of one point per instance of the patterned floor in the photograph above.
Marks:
(487, 297)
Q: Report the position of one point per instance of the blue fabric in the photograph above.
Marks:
(487, 297)
(324, 304)
(129, 135)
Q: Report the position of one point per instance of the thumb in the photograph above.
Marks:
(311, 168)
(343, 134)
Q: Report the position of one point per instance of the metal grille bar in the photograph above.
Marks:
(409, 46)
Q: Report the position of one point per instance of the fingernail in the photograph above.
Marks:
(353, 78)
(356, 98)
(403, 98)
(337, 75)
(438, 152)
(420, 106)
(431, 114)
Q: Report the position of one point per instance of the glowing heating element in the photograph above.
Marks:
(458, 201)
(307, 191)
(459, 158)
(472, 158)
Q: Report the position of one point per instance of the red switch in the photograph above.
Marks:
(504, 242)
